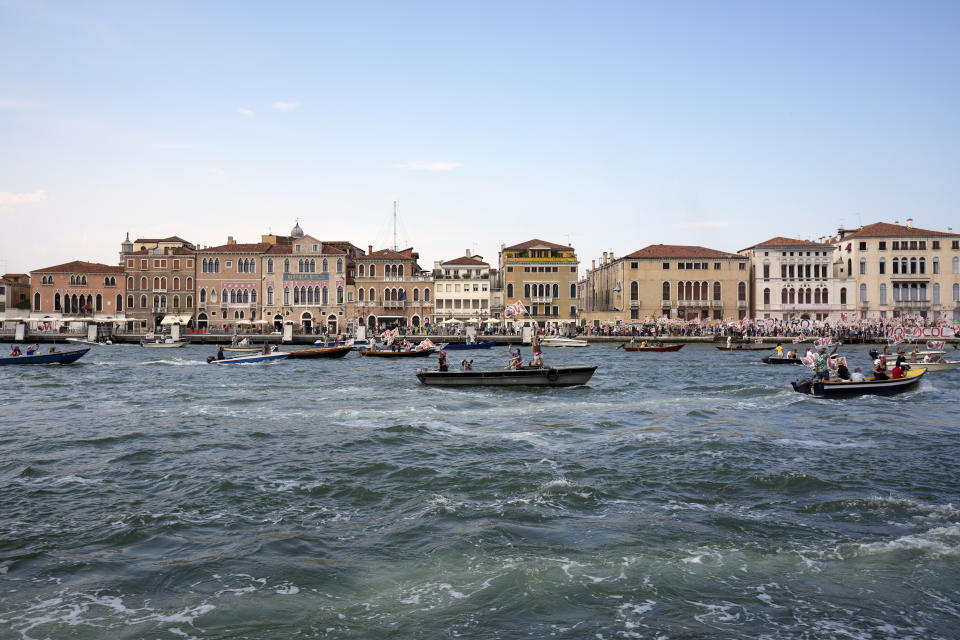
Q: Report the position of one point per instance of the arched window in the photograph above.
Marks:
(224, 297)
(143, 302)
(956, 265)
(286, 295)
(400, 271)
(313, 266)
(635, 291)
(56, 302)
(189, 302)
(129, 302)
(526, 290)
(863, 266)
(176, 302)
(956, 291)
(269, 295)
(556, 290)
(426, 295)
(696, 290)
(300, 265)
(913, 265)
(176, 284)
(816, 296)
(863, 293)
(509, 290)
(270, 268)
(843, 295)
(742, 291)
(680, 291)
(373, 271)
(783, 296)
(373, 295)
(296, 295)
(360, 271)
(666, 291)
(416, 295)
(309, 296)
(824, 297)
(809, 297)
(766, 296)
(883, 265)
(936, 293)
(163, 283)
(83, 281)
(252, 265)
(156, 283)
(923, 265)
(216, 265)
(793, 296)
(323, 266)
(36, 301)
(189, 284)
(339, 265)
(106, 281)
(326, 296)
(849, 267)
(360, 293)
(936, 265)
(73, 281)
(286, 265)
(130, 282)
(903, 266)
(99, 305)
(339, 295)
(203, 296)
(203, 266)
(883, 293)
(716, 291)
(689, 291)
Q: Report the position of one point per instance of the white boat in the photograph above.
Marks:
(162, 342)
(933, 361)
(253, 358)
(563, 342)
(92, 343)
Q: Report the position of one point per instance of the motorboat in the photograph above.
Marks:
(782, 360)
(931, 360)
(162, 342)
(563, 342)
(846, 388)
(523, 377)
(655, 349)
(386, 353)
(321, 352)
(744, 347)
(92, 343)
(358, 344)
(57, 357)
(253, 358)
(469, 345)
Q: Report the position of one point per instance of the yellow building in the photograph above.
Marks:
(900, 270)
(542, 275)
(676, 281)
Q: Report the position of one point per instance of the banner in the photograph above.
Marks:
(823, 343)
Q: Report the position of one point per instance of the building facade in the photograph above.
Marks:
(667, 281)
(899, 270)
(796, 279)
(392, 290)
(160, 276)
(543, 275)
(462, 288)
(229, 284)
(78, 289)
(14, 291)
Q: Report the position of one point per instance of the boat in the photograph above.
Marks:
(253, 358)
(162, 342)
(57, 357)
(741, 347)
(523, 377)
(92, 343)
(563, 342)
(341, 343)
(782, 360)
(929, 360)
(385, 353)
(826, 389)
(469, 345)
(242, 349)
(321, 352)
(667, 347)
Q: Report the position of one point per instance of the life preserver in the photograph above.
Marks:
(553, 375)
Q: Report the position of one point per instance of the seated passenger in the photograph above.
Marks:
(897, 373)
(857, 376)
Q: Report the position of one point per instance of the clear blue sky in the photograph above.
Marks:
(615, 125)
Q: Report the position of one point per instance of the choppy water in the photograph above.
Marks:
(686, 495)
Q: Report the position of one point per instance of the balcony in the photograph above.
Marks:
(717, 304)
(911, 304)
(393, 304)
(664, 303)
(741, 304)
(693, 304)
(541, 299)
(636, 303)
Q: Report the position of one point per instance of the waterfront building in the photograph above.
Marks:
(542, 275)
(462, 288)
(228, 285)
(671, 281)
(78, 289)
(900, 270)
(160, 276)
(796, 280)
(392, 290)
(14, 292)
(305, 282)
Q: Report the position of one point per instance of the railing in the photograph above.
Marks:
(393, 304)
(634, 303)
(693, 303)
(540, 299)
(911, 304)
(741, 304)
(665, 303)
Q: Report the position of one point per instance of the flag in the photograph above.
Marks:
(516, 308)
(835, 362)
(823, 342)
(402, 295)
(936, 344)
(800, 338)
(427, 343)
(807, 360)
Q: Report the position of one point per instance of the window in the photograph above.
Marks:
(666, 265)
(766, 272)
(883, 265)
(896, 245)
(936, 266)
(526, 290)
(741, 290)
(883, 245)
(883, 293)
(923, 265)
(509, 290)
(339, 265)
(766, 296)
(956, 292)
(863, 266)
(716, 265)
(936, 293)
(716, 290)
(863, 293)
(666, 290)
(863, 246)
(843, 295)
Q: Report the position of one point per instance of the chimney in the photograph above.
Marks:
(949, 229)
(369, 249)
(593, 265)
(468, 253)
(604, 258)
(230, 240)
(909, 223)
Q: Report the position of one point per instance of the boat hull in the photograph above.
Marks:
(526, 377)
(563, 342)
(163, 345)
(397, 354)
(323, 352)
(870, 386)
(776, 360)
(466, 347)
(744, 348)
(672, 347)
(257, 358)
(60, 357)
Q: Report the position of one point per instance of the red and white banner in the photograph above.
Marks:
(823, 342)
(516, 308)
(936, 344)
(427, 343)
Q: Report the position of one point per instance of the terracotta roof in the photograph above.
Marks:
(536, 243)
(467, 260)
(170, 239)
(287, 250)
(887, 230)
(780, 241)
(79, 266)
(680, 251)
(390, 254)
(14, 275)
(168, 251)
(256, 247)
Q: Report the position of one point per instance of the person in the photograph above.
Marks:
(643, 345)
(880, 369)
(842, 372)
(821, 363)
(857, 375)
(15, 351)
(463, 365)
(32, 349)
(793, 353)
(897, 372)
(442, 361)
(266, 348)
(220, 355)
(537, 353)
(902, 363)
(729, 341)
(515, 360)
(469, 365)
(52, 350)
(779, 351)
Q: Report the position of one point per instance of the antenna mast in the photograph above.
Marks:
(395, 204)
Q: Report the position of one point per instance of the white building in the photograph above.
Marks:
(462, 288)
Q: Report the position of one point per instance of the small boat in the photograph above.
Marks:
(241, 349)
(741, 347)
(385, 353)
(321, 352)
(253, 358)
(782, 360)
(162, 342)
(667, 347)
(92, 343)
(563, 342)
(469, 345)
(57, 357)
(825, 389)
(929, 360)
(524, 377)
(333, 343)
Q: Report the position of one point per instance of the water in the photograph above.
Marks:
(684, 495)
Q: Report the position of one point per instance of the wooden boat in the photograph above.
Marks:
(563, 342)
(321, 352)
(782, 360)
(741, 347)
(930, 360)
(667, 347)
(473, 345)
(384, 353)
(253, 358)
(163, 342)
(822, 389)
(57, 357)
(525, 377)
(357, 344)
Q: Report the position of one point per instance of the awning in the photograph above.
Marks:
(174, 319)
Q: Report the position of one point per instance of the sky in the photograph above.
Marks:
(607, 125)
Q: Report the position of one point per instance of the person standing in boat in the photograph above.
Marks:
(537, 353)
(442, 361)
(220, 353)
(821, 363)
(880, 369)
(779, 351)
